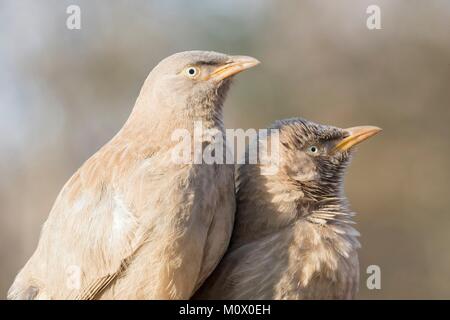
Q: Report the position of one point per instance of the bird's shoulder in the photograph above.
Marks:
(102, 195)
(105, 168)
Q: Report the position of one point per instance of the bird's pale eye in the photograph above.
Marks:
(191, 72)
(313, 150)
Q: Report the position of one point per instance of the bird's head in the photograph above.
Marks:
(310, 161)
(193, 79)
(314, 157)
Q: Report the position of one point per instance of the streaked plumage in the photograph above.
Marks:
(135, 224)
(293, 237)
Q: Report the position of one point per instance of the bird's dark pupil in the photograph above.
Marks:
(191, 71)
(313, 149)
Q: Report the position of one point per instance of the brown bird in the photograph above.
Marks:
(293, 237)
(131, 223)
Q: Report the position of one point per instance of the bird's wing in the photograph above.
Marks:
(221, 227)
(187, 241)
(96, 287)
(147, 219)
(92, 230)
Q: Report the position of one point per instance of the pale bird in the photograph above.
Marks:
(131, 223)
(293, 236)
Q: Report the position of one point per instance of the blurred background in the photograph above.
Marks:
(64, 93)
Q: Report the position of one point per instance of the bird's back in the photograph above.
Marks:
(84, 234)
(126, 202)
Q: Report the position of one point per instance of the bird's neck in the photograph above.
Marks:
(271, 203)
(208, 114)
(154, 123)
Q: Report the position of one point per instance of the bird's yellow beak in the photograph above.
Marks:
(356, 135)
(234, 66)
